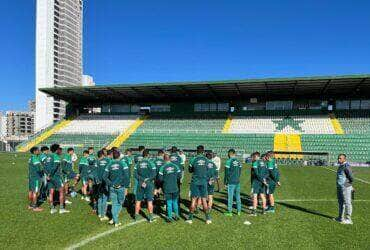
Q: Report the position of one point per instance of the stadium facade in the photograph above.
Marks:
(58, 54)
(299, 117)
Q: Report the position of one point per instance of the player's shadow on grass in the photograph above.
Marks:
(305, 210)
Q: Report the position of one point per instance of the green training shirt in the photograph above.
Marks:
(116, 174)
(274, 175)
(198, 166)
(102, 165)
(169, 174)
(233, 169)
(158, 162)
(212, 170)
(67, 164)
(145, 171)
(34, 167)
(57, 170)
(83, 166)
(261, 171)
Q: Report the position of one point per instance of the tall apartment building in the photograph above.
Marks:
(19, 124)
(58, 54)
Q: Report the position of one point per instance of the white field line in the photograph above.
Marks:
(316, 200)
(103, 234)
(361, 180)
(301, 200)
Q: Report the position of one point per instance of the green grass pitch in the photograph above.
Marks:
(306, 205)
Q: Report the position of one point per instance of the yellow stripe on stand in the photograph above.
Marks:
(294, 144)
(288, 143)
(227, 125)
(336, 124)
(42, 137)
(280, 144)
(119, 140)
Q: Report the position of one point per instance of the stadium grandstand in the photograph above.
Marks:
(297, 117)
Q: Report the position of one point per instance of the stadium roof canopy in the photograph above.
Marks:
(270, 88)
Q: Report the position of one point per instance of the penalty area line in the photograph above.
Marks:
(361, 180)
(103, 234)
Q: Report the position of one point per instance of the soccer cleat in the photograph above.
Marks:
(53, 211)
(117, 224)
(87, 198)
(239, 213)
(176, 218)
(347, 222)
(250, 207)
(189, 221)
(247, 222)
(68, 202)
(270, 210)
(37, 209)
(63, 211)
(111, 222)
(151, 219)
(104, 218)
(208, 222)
(338, 219)
(228, 214)
(254, 213)
(30, 207)
(82, 197)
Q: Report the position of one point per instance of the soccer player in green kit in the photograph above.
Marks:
(272, 180)
(145, 173)
(233, 168)
(53, 170)
(137, 158)
(44, 182)
(259, 183)
(91, 160)
(102, 188)
(117, 178)
(83, 166)
(35, 178)
(128, 157)
(198, 185)
(158, 162)
(68, 173)
(169, 174)
(176, 158)
(212, 177)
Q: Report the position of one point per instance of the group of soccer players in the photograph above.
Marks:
(106, 177)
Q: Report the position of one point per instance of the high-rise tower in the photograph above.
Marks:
(58, 54)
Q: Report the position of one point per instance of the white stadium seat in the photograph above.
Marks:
(99, 124)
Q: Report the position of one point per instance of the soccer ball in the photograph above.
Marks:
(73, 194)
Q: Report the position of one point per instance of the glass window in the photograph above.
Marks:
(342, 104)
(355, 104)
(365, 104)
(197, 107)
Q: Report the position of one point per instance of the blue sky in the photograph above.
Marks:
(152, 41)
